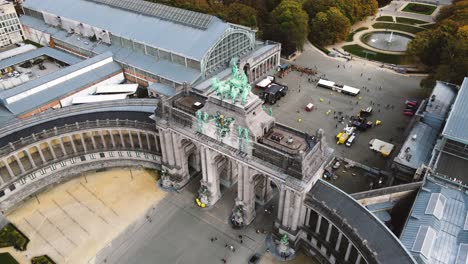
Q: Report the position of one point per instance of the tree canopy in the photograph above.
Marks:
(289, 25)
(329, 27)
(444, 48)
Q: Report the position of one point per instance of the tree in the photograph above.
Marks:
(444, 49)
(329, 27)
(289, 25)
(241, 14)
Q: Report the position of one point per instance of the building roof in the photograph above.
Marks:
(418, 146)
(53, 53)
(444, 94)
(171, 36)
(456, 127)
(436, 228)
(162, 89)
(33, 100)
(366, 225)
(169, 70)
(15, 51)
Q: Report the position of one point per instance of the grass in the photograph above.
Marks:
(419, 8)
(400, 27)
(6, 258)
(11, 236)
(375, 56)
(385, 18)
(410, 21)
(42, 260)
(351, 35)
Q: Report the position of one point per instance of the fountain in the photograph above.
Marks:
(383, 41)
(389, 41)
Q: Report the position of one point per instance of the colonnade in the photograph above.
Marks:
(262, 68)
(23, 158)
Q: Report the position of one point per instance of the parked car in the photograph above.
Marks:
(408, 113)
(411, 102)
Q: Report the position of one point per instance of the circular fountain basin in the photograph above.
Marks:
(387, 40)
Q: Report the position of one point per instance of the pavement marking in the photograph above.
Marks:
(56, 227)
(87, 207)
(43, 238)
(71, 218)
(99, 199)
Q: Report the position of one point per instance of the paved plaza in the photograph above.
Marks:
(177, 231)
(73, 221)
(396, 88)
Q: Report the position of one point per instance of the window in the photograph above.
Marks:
(424, 241)
(436, 205)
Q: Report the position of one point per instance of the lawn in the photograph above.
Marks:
(419, 8)
(11, 236)
(6, 258)
(376, 56)
(42, 260)
(400, 27)
(351, 35)
(410, 21)
(385, 18)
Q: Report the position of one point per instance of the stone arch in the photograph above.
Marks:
(190, 156)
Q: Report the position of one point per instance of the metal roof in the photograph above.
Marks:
(53, 53)
(444, 94)
(164, 68)
(59, 90)
(170, 36)
(162, 89)
(416, 151)
(378, 237)
(449, 228)
(170, 13)
(456, 127)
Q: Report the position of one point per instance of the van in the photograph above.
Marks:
(350, 140)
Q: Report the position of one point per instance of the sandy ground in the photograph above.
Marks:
(74, 220)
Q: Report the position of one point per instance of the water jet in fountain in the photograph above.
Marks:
(392, 41)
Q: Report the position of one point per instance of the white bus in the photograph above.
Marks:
(350, 90)
(338, 87)
(326, 84)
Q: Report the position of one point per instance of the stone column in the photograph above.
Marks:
(39, 150)
(83, 142)
(112, 138)
(7, 166)
(103, 139)
(140, 143)
(358, 259)
(93, 141)
(169, 145)
(348, 251)
(319, 222)
(62, 146)
(338, 241)
(131, 138)
(297, 211)
(52, 151)
(249, 195)
(73, 144)
(33, 164)
(20, 164)
(308, 216)
(282, 190)
(122, 141)
(148, 143)
(287, 205)
(156, 141)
